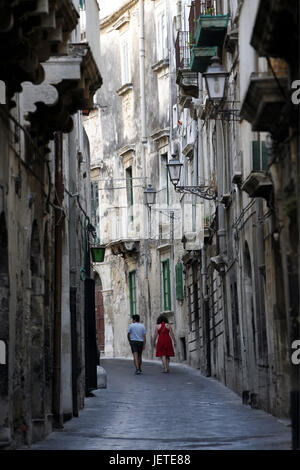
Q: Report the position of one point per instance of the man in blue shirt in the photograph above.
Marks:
(137, 340)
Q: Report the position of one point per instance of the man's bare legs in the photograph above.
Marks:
(137, 359)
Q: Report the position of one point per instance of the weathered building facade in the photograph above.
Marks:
(143, 244)
(245, 309)
(223, 265)
(48, 74)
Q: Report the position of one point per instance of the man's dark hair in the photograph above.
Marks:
(136, 318)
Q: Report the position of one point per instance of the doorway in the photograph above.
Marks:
(99, 312)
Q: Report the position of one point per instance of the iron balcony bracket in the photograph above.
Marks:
(205, 192)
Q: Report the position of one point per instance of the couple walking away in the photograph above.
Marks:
(164, 348)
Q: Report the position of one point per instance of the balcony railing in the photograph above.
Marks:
(183, 52)
(193, 17)
(200, 7)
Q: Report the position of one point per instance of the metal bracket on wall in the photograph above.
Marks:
(205, 192)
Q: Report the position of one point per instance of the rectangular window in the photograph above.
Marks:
(175, 116)
(132, 292)
(129, 188)
(161, 36)
(259, 155)
(164, 176)
(179, 281)
(95, 206)
(166, 284)
(125, 61)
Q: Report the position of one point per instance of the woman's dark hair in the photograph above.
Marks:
(162, 319)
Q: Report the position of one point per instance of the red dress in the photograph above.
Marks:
(164, 345)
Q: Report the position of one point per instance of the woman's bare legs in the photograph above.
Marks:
(165, 363)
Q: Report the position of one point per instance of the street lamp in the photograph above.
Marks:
(150, 195)
(174, 168)
(215, 80)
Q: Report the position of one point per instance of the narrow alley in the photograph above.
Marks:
(149, 201)
(181, 410)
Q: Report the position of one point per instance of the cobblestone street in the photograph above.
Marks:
(181, 410)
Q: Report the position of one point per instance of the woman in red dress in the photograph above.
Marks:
(164, 347)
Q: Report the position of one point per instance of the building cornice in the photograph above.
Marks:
(113, 18)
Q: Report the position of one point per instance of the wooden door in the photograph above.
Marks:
(99, 317)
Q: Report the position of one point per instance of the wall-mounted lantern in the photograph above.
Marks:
(174, 168)
(150, 195)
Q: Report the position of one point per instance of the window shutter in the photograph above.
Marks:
(169, 285)
(255, 155)
(166, 285)
(132, 292)
(125, 65)
(259, 156)
(179, 282)
(264, 156)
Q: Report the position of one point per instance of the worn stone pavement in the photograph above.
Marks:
(181, 410)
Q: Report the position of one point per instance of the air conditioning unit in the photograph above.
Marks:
(191, 241)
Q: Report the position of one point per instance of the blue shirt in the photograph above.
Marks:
(137, 331)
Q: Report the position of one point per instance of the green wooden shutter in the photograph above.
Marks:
(169, 285)
(179, 281)
(256, 155)
(167, 185)
(166, 285)
(264, 156)
(129, 186)
(259, 156)
(132, 292)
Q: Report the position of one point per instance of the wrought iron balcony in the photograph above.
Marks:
(183, 47)
(258, 182)
(186, 78)
(211, 30)
(195, 10)
(200, 58)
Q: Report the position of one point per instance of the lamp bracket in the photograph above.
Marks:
(227, 114)
(205, 192)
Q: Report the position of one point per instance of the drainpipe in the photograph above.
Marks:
(195, 170)
(200, 136)
(142, 71)
(206, 311)
(178, 20)
(56, 397)
(221, 210)
(143, 148)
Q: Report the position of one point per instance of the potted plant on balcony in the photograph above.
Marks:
(210, 11)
